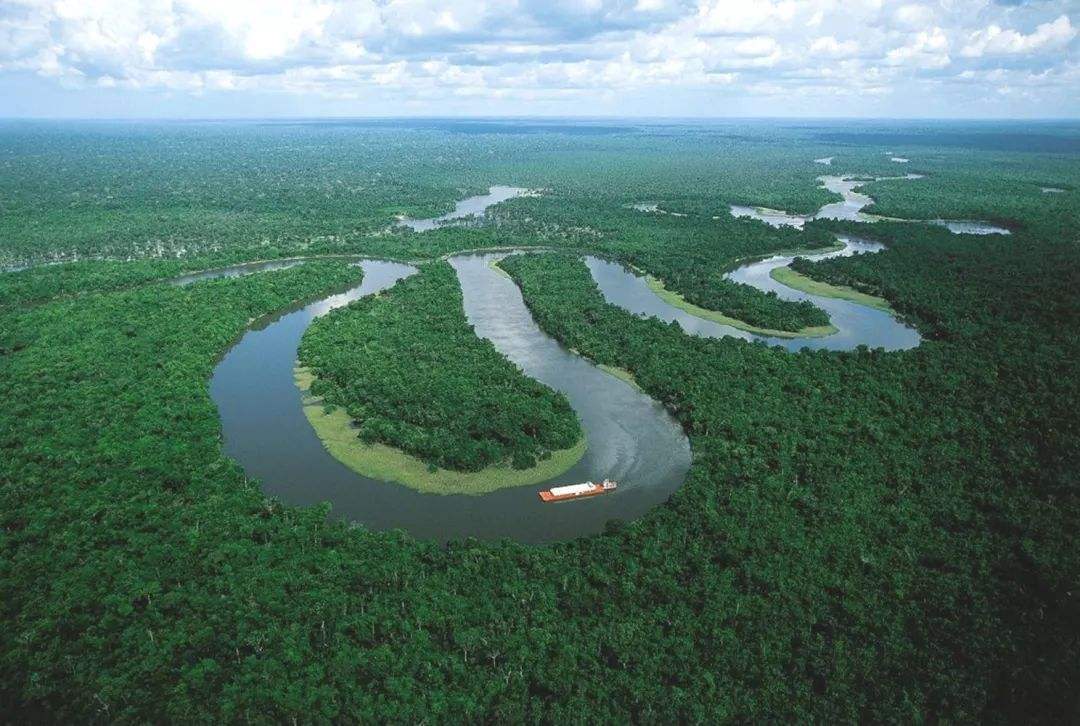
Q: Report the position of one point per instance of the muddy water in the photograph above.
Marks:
(631, 438)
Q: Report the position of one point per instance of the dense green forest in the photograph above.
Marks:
(863, 536)
(884, 479)
(218, 193)
(690, 254)
(223, 193)
(411, 373)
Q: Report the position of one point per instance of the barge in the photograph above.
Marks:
(577, 491)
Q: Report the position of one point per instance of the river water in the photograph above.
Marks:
(631, 438)
(851, 206)
(856, 324)
(235, 271)
(472, 206)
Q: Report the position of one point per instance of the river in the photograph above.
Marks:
(472, 206)
(851, 206)
(631, 438)
(856, 324)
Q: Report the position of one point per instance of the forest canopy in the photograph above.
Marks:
(411, 373)
(863, 536)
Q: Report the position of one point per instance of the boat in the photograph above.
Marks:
(577, 491)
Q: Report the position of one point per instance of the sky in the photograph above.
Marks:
(636, 58)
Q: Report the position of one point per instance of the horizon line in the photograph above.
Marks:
(539, 117)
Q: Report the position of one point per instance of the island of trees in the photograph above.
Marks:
(411, 373)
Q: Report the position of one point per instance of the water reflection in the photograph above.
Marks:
(967, 226)
(248, 268)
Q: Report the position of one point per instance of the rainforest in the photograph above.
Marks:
(409, 369)
(279, 398)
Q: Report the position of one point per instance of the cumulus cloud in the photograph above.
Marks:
(573, 50)
(913, 16)
(830, 47)
(746, 16)
(993, 40)
(925, 49)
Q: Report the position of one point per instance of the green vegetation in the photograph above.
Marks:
(882, 479)
(378, 461)
(1001, 182)
(690, 254)
(145, 193)
(680, 302)
(411, 373)
(49, 282)
(791, 278)
(621, 373)
(863, 536)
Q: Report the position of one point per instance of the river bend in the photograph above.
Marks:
(631, 437)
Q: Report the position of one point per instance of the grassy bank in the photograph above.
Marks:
(494, 265)
(798, 281)
(677, 300)
(411, 371)
(378, 461)
(622, 374)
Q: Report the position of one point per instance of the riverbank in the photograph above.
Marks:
(797, 281)
(385, 463)
(621, 373)
(678, 301)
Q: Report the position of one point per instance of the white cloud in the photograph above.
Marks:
(993, 40)
(148, 43)
(744, 16)
(913, 16)
(761, 45)
(926, 49)
(649, 6)
(264, 29)
(422, 50)
(830, 47)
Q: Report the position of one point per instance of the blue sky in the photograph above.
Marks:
(708, 58)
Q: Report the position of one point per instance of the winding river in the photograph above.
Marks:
(856, 324)
(851, 206)
(472, 206)
(631, 437)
